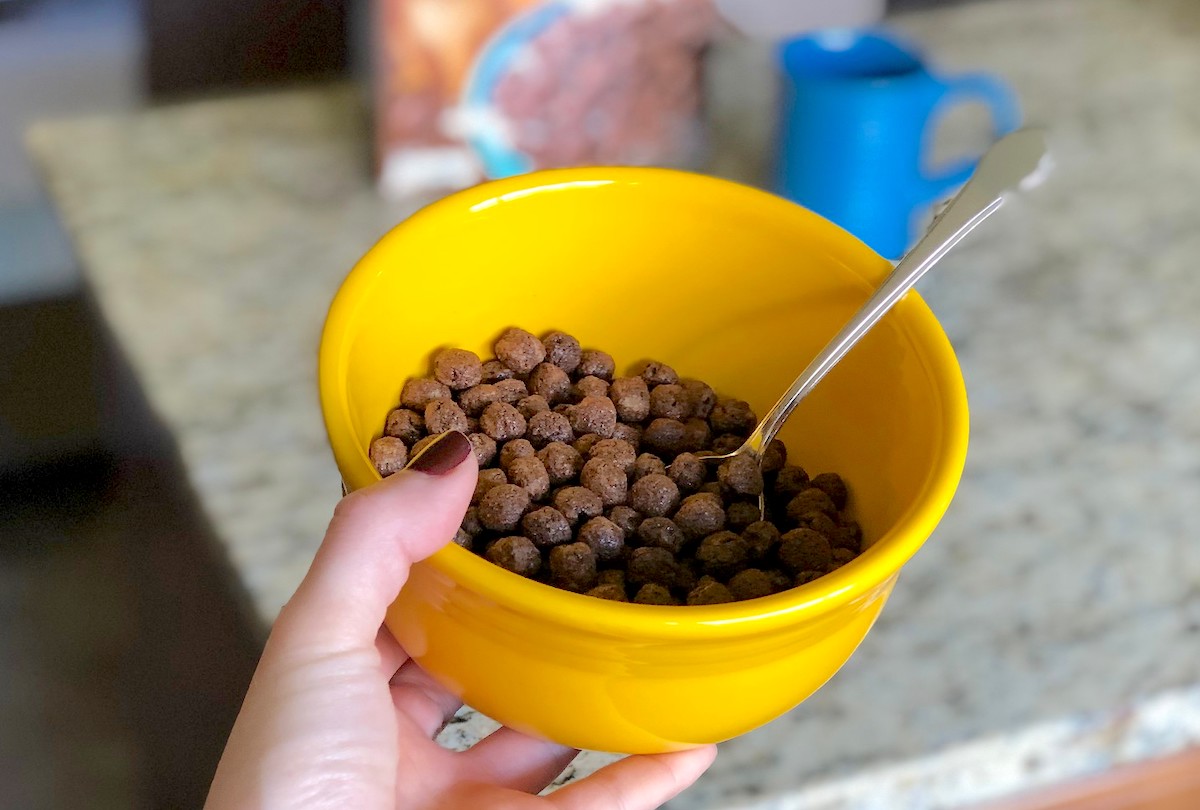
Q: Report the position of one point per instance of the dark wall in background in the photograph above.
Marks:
(195, 46)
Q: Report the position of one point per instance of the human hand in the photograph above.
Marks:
(337, 716)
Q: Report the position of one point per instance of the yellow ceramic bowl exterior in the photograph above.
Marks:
(725, 283)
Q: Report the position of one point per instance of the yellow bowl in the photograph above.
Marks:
(725, 283)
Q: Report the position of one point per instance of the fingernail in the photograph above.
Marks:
(442, 455)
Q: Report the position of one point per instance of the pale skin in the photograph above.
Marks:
(337, 716)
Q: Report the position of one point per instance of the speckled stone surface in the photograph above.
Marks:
(1048, 629)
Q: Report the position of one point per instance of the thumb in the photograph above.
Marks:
(376, 534)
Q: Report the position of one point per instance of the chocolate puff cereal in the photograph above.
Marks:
(594, 481)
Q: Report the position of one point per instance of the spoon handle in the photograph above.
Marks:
(1014, 162)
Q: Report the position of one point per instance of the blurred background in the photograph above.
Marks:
(130, 621)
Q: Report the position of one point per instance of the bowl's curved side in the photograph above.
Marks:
(595, 691)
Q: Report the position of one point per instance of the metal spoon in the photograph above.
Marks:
(1018, 161)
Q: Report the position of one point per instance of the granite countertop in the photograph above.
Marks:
(1049, 627)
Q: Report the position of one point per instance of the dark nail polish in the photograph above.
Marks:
(442, 455)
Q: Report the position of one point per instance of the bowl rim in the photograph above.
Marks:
(859, 579)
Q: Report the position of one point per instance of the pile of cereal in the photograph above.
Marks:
(590, 482)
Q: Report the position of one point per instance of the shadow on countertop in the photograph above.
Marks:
(125, 646)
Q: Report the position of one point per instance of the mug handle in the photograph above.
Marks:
(1006, 117)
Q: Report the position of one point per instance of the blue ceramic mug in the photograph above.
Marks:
(856, 126)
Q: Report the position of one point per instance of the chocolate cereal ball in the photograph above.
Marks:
(484, 447)
(805, 577)
(494, 371)
(841, 556)
(546, 527)
(687, 573)
(750, 584)
(732, 416)
(478, 397)
(648, 564)
(594, 415)
(791, 481)
(583, 445)
(442, 415)
(701, 397)
(513, 450)
(407, 426)
(605, 538)
(774, 457)
(810, 500)
(760, 538)
(457, 368)
(631, 397)
(530, 474)
(420, 392)
(741, 514)
(619, 452)
(615, 593)
(696, 435)
(780, 580)
(501, 421)
(562, 350)
(654, 495)
(611, 576)
(709, 592)
(389, 455)
(820, 522)
(741, 475)
(670, 402)
(486, 481)
(625, 517)
(661, 532)
(589, 387)
(712, 488)
(520, 351)
(512, 391)
(687, 471)
(648, 464)
(562, 462)
(516, 554)
(665, 437)
(551, 382)
(547, 426)
(700, 515)
(833, 486)
(462, 538)
(630, 434)
(656, 373)
(531, 405)
(721, 553)
(593, 363)
(654, 594)
(503, 506)
(605, 478)
(577, 503)
(573, 567)
(470, 522)
(849, 536)
(805, 550)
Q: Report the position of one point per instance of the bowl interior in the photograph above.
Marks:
(725, 283)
